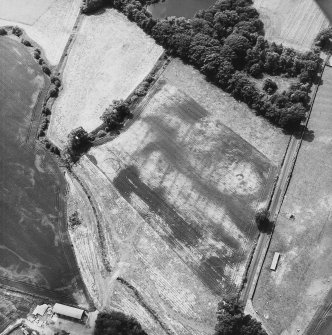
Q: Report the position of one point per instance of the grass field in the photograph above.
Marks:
(175, 203)
(48, 23)
(267, 139)
(294, 23)
(289, 298)
(110, 57)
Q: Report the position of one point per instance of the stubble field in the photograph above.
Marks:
(109, 58)
(289, 298)
(294, 23)
(48, 23)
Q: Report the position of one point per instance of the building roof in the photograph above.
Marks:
(71, 312)
(40, 310)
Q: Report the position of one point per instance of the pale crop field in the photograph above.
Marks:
(174, 196)
(48, 23)
(109, 58)
(294, 23)
(288, 298)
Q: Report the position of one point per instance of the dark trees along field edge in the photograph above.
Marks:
(226, 43)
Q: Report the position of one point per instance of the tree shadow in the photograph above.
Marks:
(96, 12)
(301, 132)
(267, 228)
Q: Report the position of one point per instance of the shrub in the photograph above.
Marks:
(26, 42)
(17, 31)
(3, 31)
(74, 220)
(56, 81)
(46, 70)
(41, 133)
(53, 92)
(36, 55)
(269, 86)
(41, 61)
(46, 111)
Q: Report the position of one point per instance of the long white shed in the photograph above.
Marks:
(275, 260)
(68, 311)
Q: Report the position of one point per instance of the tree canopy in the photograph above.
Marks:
(116, 323)
(233, 321)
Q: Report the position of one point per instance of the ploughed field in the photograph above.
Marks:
(35, 253)
(200, 180)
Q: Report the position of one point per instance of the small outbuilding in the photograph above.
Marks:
(40, 310)
(69, 312)
(275, 261)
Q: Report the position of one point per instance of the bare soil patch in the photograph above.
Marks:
(52, 27)
(289, 298)
(293, 23)
(109, 58)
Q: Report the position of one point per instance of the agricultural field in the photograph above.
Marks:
(257, 131)
(294, 23)
(175, 195)
(48, 22)
(109, 58)
(289, 298)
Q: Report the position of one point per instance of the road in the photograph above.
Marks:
(279, 193)
(274, 208)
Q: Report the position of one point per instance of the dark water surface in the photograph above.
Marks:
(34, 247)
(186, 8)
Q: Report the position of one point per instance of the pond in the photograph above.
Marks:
(186, 8)
(35, 251)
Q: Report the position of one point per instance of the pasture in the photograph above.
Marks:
(49, 23)
(109, 58)
(175, 194)
(293, 23)
(288, 299)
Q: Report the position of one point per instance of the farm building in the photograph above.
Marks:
(40, 310)
(69, 312)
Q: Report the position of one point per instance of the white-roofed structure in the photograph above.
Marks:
(40, 310)
(275, 261)
(68, 311)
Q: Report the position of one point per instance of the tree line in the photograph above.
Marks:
(226, 43)
(231, 320)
